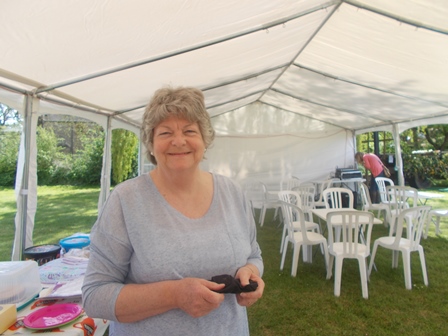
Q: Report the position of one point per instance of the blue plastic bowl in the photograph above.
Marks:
(74, 242)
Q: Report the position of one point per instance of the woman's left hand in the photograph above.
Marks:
(247, 299)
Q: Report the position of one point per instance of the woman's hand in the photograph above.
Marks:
(246, 273)
(196, 296)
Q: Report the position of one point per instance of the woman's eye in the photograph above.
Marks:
(191, 131)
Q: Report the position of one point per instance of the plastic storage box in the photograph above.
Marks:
(19, 281)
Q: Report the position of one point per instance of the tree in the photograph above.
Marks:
(8, 115)
(124, 153)
(437, 136)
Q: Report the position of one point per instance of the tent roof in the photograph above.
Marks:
(359, 65)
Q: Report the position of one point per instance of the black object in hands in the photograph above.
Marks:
(233, 285)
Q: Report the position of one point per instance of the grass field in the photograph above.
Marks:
(304, 305)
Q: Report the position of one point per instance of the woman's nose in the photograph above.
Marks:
(179, 139)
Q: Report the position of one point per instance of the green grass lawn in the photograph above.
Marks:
(61, 211)
(304, 305)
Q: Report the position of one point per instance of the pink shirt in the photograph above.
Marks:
(373, 163)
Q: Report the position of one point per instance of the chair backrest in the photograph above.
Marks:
(292, 213)
(325, 184)
(365, 196)
(306, 194)
(353, 226)
(308, 187)
(289, 183)
(336, 198)
(418, 216)
(400, 197)
(289, 196)
(382, 183)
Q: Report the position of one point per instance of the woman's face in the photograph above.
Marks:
(178, 144)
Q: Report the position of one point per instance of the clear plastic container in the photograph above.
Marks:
(19, 281)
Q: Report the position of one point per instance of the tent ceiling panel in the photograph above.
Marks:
(220, 95)
(428, 13)
(262, 119)
(377, 51)
(345, 120)
(82, 37)
(236, 52)
(233, 105)
(219, 63)
(326, 91)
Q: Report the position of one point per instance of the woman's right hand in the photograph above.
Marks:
(196, 296)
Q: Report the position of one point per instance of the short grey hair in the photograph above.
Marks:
(182, 102)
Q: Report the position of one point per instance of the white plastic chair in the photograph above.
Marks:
(437, 213)
(399, 198)
(254, 193)
(382, 183)
(292, 215)
(333, 198)
(353, 245)
(293, 197)
(398, 243)
(270, 201)
(288, 183)
(367, 204)
(320, 203)
(306, 192)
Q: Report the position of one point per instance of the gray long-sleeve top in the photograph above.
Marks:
(140, 238)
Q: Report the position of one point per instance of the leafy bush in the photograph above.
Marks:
(48, 153)
(9, 149)
(88, 161)
(431, 165)
(124, 155)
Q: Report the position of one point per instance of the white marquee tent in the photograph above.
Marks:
(287, 83)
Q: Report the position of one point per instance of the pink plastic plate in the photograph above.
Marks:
(52, 316)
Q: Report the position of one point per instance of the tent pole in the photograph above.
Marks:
(106, 170)
(26, 181)
(25, 178)
(398, 158)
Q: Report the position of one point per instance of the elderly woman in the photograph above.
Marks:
(162, 236)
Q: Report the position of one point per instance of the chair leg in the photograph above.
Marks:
(283, 238)
(330, 266)
(363, 274)
(423, 263)
(307, 254)
(337, 276)
(276, 213)
(285, 248)
(327, 260)
(407, 269)
(392, 226)
(372, 258)
(262, 215)
(395, 259)
(295, 259)
(437, 223)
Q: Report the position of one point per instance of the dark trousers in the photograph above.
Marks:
(373, 188)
